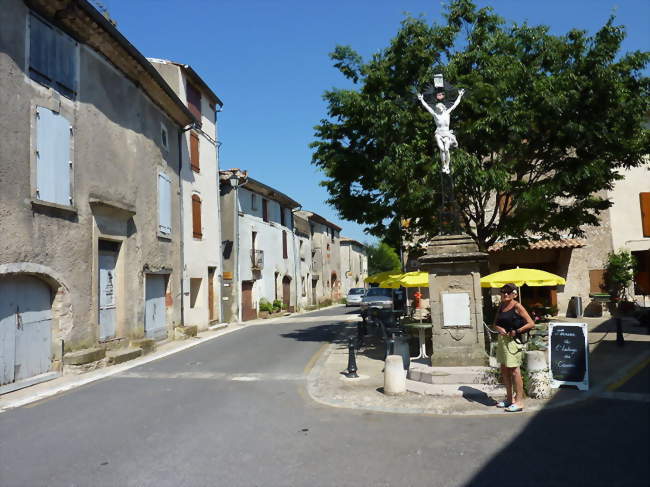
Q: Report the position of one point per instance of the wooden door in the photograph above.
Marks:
(155, 316)
(286, 293)
(25, 328)
(248, 312)
(107, 294)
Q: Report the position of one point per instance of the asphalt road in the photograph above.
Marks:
(233, 411)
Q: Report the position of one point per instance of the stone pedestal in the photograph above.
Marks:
(455, 264)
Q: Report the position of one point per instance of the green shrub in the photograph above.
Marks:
(266, 306)
(619, 272)
(277, 305)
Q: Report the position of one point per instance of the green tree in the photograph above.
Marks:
(382, 257)
(546, 123)
(619, 272)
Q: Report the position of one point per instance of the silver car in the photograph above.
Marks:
(354, 296)
(377, 297)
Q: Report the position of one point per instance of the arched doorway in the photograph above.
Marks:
(335, 286)
(25, 327)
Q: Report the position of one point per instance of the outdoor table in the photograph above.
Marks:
(421, 327)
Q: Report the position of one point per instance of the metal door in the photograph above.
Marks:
(155, 314)
(107, 294)
(25, 328)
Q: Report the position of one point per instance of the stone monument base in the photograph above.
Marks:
(454, 264)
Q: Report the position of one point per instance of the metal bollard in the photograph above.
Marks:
(352, 361)
(620, 341)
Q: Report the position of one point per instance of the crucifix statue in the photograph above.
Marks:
(445, 137)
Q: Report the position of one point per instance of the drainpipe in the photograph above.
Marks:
(182, 230)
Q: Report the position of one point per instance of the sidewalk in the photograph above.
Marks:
(609, 365)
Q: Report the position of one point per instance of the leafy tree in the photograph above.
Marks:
(546, 123)
(382, 257)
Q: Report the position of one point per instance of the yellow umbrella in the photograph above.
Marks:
(521, 276)
(382, 276)
(410, 279)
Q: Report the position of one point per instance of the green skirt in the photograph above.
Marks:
(509, 352)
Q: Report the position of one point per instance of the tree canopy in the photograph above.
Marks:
(545, 125)
(382, 257)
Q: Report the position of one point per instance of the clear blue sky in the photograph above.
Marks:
(268, 62)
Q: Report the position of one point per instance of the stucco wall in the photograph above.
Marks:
(354, 265)
(626, 223)
(269, 240)
(199, 254)
(116, 159)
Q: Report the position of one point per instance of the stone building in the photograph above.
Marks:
(326, 257)
(200, 196)
(626, 225)
(302, 233)
(354, 264)
(89, 184)
(259, 246)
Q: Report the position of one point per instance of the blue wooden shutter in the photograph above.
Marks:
(164, 204)
(42, 44)
(53, 135)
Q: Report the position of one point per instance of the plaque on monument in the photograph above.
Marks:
(456, 310)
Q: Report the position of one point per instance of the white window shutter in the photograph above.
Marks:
(164, 204)
(53, 136)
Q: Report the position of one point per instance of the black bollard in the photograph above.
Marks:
(352, 361)
(620, 341)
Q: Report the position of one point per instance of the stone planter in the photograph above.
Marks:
(539, 383)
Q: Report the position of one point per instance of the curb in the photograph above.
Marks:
(592, 393)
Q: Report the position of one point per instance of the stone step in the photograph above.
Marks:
(147, 345)
(468, 391)
(451, 375)
(122, 355)
(85, 356)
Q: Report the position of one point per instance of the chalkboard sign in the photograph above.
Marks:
(568, 354)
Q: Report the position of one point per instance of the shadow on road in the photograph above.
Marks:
(319, 333)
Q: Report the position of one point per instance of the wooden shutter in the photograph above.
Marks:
(194, 101)
(265, 210)
(196, 216)
(645, 213)
(282, 216)
(597, 281)
(194, 152)
(53, 164)
(505, 203)
(285, 253)
(164, 204)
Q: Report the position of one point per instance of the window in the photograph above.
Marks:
(301, 251)
(164, 136)
(194, 152)
(253, 201)
(265, 210)
(164, 204)
(282, 217)
(285, 250)
(53, 163)
(52, 57)
(645, 213)
(196, 216)
(253, 239)
(194, 101)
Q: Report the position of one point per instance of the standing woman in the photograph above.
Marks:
(511, 320)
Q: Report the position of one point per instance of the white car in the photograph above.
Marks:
(354, 297)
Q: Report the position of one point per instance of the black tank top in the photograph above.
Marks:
(509, 320)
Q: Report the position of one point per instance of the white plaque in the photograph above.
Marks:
(455, 309)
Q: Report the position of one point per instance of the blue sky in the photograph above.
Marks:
(268, 62)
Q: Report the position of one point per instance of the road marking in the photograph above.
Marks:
(624, 396)
(635, 370)
(314, 358)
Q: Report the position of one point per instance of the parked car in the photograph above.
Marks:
(354, 296)
(377, 297)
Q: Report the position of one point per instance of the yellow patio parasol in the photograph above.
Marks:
(382, 276)
(521, 276)
(409, 279)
